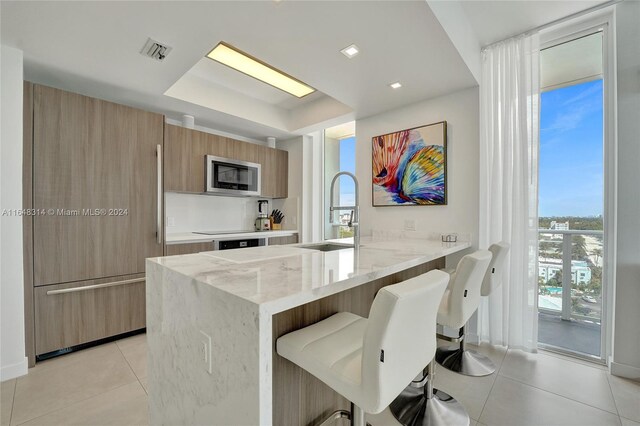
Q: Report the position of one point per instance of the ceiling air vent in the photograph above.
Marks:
(155, 50)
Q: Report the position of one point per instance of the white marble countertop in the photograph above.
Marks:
(191, 237)
(278, 278)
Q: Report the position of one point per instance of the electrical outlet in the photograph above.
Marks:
(205, 351)
(409, 225)
(171, 221)
(294, 220)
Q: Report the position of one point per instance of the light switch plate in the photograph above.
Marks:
(171, 221)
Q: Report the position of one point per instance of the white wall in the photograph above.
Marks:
(291, 206)
(331, 167)
(312, 194)
(13, 362)
(626, 335)
(305, 186)
(461, 111)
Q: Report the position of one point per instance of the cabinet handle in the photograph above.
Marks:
(159, 194)
(95, 286)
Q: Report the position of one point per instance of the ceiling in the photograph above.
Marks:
(93, 48)
(494, 21)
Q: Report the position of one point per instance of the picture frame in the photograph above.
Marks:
(409, 167)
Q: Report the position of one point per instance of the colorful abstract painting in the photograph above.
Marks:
(409, 167)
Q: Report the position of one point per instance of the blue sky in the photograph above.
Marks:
(571, 168)
(347, 163)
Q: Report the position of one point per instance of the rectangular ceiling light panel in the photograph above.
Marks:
(240, 61)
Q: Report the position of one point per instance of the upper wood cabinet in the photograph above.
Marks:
(184, 164)
(95, 177)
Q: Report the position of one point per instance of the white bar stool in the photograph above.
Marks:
(370, 361)
(458, 358)
(421, 405)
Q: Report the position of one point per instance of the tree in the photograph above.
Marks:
(546, 246)
(595, 285)
(579, 248)
(558, 276)
(584, 223)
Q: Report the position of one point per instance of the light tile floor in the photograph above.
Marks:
(107, 385)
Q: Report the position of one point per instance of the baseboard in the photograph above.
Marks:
(624, 370)
(12, 371)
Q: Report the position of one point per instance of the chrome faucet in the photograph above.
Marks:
(355, 210)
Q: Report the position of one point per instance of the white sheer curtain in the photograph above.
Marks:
(509, 129)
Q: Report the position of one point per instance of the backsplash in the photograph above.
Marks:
(196, 212)
(193, 212)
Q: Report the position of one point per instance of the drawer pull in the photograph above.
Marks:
(93, 287)
(159, 195)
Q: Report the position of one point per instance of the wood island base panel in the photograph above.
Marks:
(213, 319)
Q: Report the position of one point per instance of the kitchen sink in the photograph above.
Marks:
(327, 246)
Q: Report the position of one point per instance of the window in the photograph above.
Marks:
(339, 155)
(571, 195)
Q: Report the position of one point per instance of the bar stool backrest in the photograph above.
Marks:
(493, 277)
(400, 339)
(464, 289)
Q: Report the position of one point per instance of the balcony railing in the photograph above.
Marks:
(581, 287)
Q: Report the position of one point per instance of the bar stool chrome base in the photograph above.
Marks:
(428, 407)
(412, 408)
(465, 361)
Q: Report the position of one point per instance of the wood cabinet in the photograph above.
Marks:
(188, 248)
(75, 313)
(278, 241)
(281, 174)
(95, 177)
(185, 150)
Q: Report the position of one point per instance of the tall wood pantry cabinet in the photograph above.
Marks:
(94, 182)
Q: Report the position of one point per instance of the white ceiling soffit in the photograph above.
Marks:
(218, 87)
(93, 48)
(497, 20)
(454, 21)
(341, 131)
(570, 63)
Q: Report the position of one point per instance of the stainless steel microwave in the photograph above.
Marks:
(232, 177)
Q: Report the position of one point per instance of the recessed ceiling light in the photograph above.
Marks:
(396, 85)
(240, 61)
(350, 51)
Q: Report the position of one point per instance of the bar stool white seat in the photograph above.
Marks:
(423, 405)
(370, 361)
(458, 358)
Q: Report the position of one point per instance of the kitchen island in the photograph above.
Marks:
(213, 318)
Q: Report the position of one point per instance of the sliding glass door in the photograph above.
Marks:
(572, 264)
